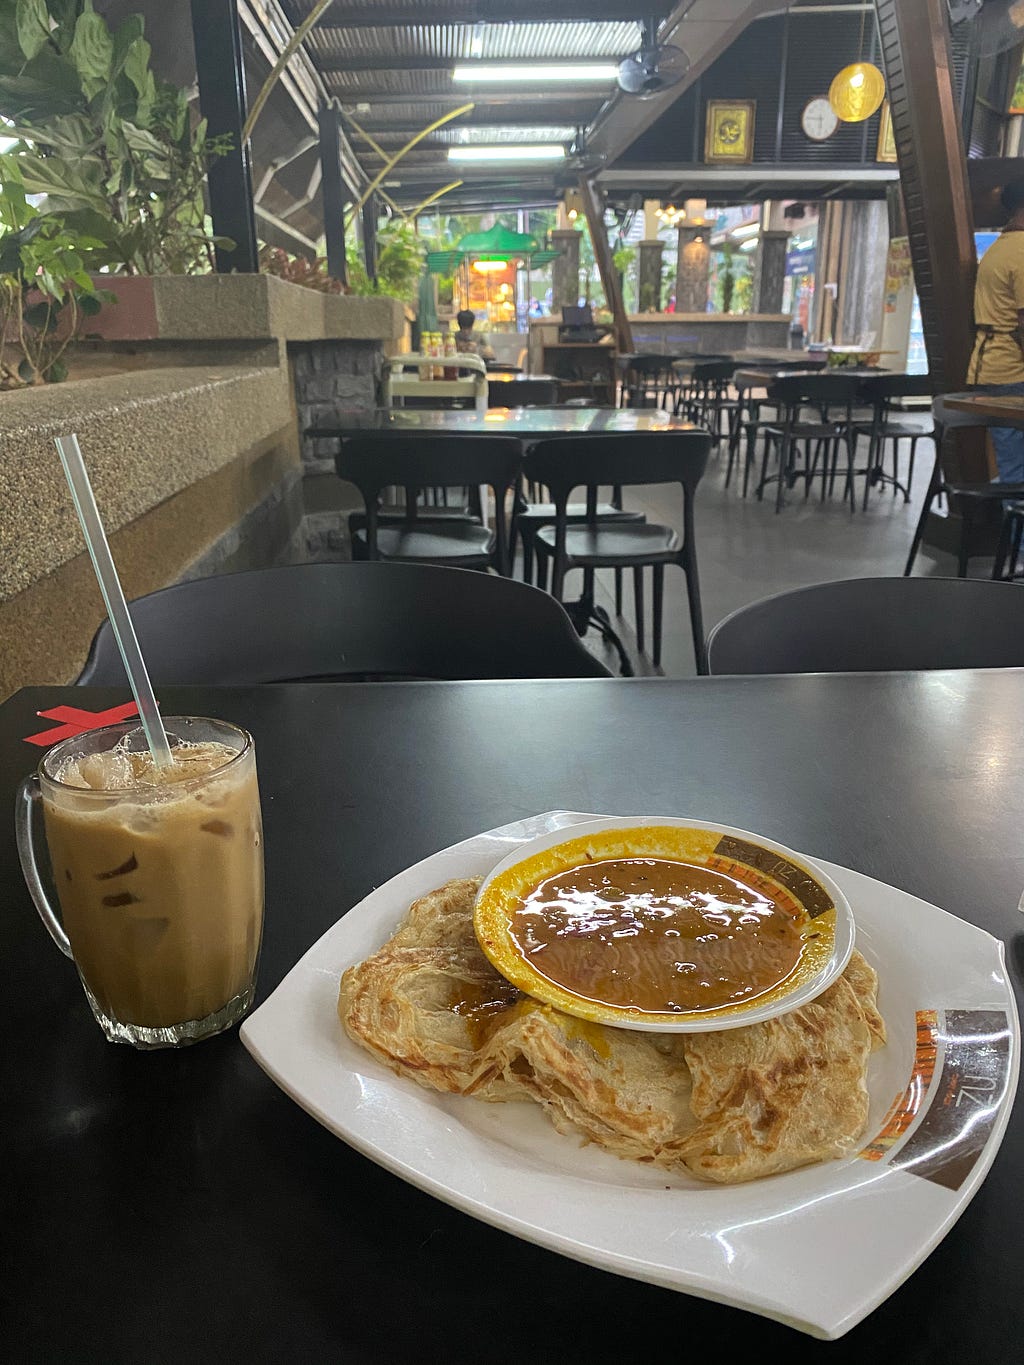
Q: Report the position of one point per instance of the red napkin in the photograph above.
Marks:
(75, 721)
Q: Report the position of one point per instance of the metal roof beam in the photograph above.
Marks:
(361, 94)
(398, 61)
(343, 15)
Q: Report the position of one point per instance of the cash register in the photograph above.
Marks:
(578, 326)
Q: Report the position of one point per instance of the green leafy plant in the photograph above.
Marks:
(400, 257)
(727, 279)
(112, 148)
(45, 291)
(311, 274)
(623, 257)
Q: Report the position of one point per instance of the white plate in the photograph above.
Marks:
(788, 869)
(817, 1248)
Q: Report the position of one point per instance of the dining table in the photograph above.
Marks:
(529, 424)
(178, 1206)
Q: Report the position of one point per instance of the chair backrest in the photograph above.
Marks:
(713, 371)
(619, 459)
(351, 620)
(885, 387)
(869, 625)
(830, 388)
(652, 364)
(522, 393)
(427, 460)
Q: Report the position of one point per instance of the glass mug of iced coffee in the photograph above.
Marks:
(159, 875)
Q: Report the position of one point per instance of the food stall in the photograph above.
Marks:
(492, 275)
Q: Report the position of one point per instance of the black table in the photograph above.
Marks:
(533, 424)
(177, 1207)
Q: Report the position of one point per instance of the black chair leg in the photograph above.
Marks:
(1018, 536)
(527, 559)
(964, 548)
(910, 467)
(658, 603)
(1004, 547)
(618, 592)
(638, 605)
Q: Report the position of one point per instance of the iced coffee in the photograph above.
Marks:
(159, 873)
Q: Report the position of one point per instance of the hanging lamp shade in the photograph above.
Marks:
(857, 92)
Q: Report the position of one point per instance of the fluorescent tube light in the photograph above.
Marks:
(535, 73)
(747, 230)
(509, 151)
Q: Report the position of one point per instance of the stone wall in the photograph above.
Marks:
(328, 375)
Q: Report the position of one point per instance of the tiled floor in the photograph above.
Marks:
(746, 552)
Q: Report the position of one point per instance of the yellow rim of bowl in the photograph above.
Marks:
(791, 884)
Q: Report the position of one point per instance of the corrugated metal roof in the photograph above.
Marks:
(476, 42)
(400, 71)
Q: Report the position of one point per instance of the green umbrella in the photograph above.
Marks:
(426, 307)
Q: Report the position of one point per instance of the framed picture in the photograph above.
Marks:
(886, 150)
(729, 133)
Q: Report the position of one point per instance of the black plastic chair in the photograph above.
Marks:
(648, 381)
(522, 393)
(705, 399)
(872, 625)
(830, 396)
(972, 498)
(378, 462)
(882, 392)
(594, 462)
(337, 622)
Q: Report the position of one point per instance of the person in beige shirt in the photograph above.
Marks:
(997, 363)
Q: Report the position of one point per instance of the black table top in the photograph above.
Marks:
(535, 423)
(178, 1207)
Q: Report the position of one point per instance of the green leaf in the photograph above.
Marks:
(139, 140)
(89, 305)
(26, 372)
(92, 52)
(33, 22)
(57, 372)
(136, 64)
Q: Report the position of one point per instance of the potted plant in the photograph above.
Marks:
(400, 257)
(112, 147)
(45, 291)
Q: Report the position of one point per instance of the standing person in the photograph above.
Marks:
(466, 341)
(997, 364)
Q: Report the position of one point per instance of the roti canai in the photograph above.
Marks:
(726, 1106)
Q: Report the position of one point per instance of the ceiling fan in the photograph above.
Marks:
(653, 68)
(998, 24)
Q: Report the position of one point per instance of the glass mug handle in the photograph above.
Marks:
(28, 796)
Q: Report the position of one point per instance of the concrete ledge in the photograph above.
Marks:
(241, 516)
(146, 436)
(241, 307)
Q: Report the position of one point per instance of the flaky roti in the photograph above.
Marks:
(726, 1106)
(782, 1093)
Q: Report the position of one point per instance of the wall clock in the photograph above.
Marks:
(819, 120)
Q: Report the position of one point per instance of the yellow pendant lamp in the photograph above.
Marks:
(857, 92)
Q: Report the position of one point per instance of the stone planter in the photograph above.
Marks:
(240, 308)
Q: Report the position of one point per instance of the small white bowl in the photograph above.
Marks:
(695, 841)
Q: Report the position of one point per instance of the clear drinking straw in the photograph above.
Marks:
(113, 596)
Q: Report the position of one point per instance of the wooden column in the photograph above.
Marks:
(593, 208)
(933, 168)
(928, 127)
